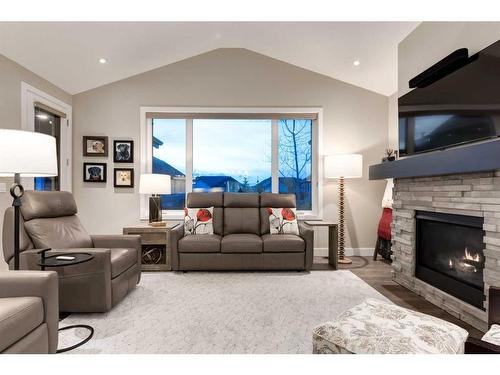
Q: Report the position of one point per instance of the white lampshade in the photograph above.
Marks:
(343, 165)
(28, 153)
(152, 183)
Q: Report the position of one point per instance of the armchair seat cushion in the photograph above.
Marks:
(283, 243)
(203, 243)
(241, 243)
(122, 260)
(18, 317)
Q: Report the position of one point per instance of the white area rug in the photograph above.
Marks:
(221, 313)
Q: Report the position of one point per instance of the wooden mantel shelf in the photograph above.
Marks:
(477, 157)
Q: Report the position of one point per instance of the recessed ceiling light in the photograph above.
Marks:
(356, 63)
(102, 60)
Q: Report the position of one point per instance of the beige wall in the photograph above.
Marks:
(11, 76)
(355, 120)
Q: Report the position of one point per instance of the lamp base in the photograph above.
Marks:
(154, 209)
(344, 261)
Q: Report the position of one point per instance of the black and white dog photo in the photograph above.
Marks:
(94, 172)
(123, 151)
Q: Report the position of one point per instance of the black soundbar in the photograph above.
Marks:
(449, 64)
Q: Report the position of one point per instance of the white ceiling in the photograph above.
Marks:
(67, 54)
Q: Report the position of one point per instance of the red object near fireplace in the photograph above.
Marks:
(384, 225)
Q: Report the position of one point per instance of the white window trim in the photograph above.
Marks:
(29, 96)
(146, 154)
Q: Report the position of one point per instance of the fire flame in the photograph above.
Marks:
(470, 256)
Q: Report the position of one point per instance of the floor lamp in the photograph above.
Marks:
(342, 167)
(25, 154)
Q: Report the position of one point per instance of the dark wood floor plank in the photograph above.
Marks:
(378, 275)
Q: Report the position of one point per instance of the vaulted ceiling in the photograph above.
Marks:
(67, 54)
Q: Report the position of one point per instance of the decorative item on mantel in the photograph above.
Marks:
(342, 167)
(155, 184)
(391, 155)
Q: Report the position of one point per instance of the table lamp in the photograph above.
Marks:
(154, 185)
(25, 154)
(342, 167)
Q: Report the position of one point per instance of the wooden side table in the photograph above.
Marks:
(333, 240)
(155, 245)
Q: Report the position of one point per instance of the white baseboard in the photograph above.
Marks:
(357, 251)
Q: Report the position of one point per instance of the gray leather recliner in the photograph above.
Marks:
(241, 239)
(29, 312)
(49, 221)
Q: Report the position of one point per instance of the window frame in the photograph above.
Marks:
(146, 154)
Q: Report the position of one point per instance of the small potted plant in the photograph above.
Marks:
(390, 155)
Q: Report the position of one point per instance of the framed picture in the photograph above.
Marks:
(124, 177)
(95, 146)
(94, 172)
(123, 151)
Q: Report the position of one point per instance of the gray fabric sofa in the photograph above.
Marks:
(49, 220)
(29, 312)
(241, 239)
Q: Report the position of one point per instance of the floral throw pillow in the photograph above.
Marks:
(198, 221)
(283, 221)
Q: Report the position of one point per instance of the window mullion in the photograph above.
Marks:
(189, 155)
(274, 156)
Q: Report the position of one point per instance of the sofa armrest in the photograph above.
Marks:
(43, 284)
(307, 234)
(129, 241)
(175, 235)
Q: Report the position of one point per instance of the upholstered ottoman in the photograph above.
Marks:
(377, 327)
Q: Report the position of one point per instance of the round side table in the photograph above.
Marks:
(56, 261)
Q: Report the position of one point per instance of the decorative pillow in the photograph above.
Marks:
(198, 221)
(283, 221)
(493, 335)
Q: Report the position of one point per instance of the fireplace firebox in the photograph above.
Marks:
(449, 254)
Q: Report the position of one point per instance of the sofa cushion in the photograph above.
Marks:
(378, 327)
(241, 243)
(241, 220)
(283, 243)
(122, 260)
(208, 243)
(283, 221)
(64, 232)
(205, 200)
(241, 200)
(198, 221)
(273, 200)
(18, 317)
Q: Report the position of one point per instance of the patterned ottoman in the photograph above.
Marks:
(377, 327)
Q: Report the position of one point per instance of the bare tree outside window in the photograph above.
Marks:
(295, 159)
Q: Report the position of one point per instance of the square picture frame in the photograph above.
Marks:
(94, 172)
(95, 146)
(123, 177)
(123, 151)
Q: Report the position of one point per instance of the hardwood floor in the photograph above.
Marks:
(378, 275)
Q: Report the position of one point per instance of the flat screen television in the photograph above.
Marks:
(460, 108)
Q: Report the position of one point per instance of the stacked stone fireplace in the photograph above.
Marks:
(461, 215)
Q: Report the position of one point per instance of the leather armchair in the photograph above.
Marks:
(29, 312)
(49, 220)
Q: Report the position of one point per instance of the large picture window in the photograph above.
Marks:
(231, 152)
